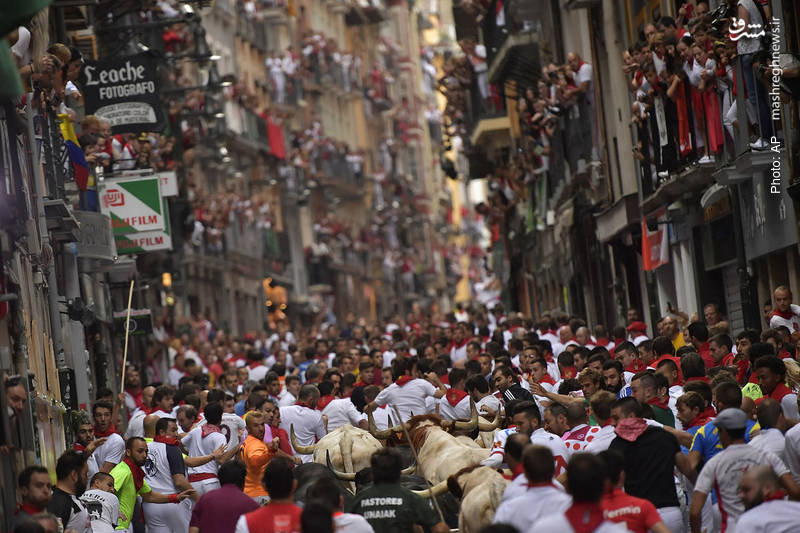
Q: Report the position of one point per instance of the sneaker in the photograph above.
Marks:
(705, 160)
(760, 144)
(663, 174)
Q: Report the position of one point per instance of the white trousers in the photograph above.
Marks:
(672, 518)
(166, 517)
(207, 485)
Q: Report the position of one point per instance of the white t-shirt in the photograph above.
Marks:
(792, 451)
(308, 426)
(497, 453)
(490, 401)
(351, 523)
(136, 424)
(792, 323)
(258, 373)
(599, 439)
(157, 471)
(340, 412)
(535, 503)
(516, 488)
(541, 437)
(770, 440)
(776, 516)
(381, 417)
(232, 427)
(198, 446)
(724, 471)
(103, 508)
(559, 524)
(410, 398)
(112, 451)
(286, 398)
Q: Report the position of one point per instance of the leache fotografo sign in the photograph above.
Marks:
(124, 92)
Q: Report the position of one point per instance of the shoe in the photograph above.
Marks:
(663, 174)
(705, 160)
(760, 144)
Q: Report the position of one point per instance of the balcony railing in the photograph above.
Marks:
(480, 107)
(246, 123)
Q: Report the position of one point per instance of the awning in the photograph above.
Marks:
(616, 218)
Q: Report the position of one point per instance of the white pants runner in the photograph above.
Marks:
(167, 517)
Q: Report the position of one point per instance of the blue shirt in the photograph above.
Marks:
(706, 439)
(238, 408)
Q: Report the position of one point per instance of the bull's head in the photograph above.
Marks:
(351, 476)
(448, 425)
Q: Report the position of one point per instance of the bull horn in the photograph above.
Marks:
(489, 426)
(347, 476)
(302, 450)
(380, 434)
(408, 471)
(436, 490)
(473, 422)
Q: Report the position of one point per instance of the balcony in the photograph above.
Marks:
(485, 117)
(249, 128)
(512, 47)
(252, 30)
(735, 162)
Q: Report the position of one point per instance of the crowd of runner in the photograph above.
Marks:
(603, 430)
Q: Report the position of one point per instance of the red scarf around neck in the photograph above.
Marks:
(302, 404)
(100, 434)
(547, 379)
(698, 378)
(658, 403)
(585, 517)
(169, 441)
(136, 472)
(700, 420)
(137, 396)
(402, 380)
(786, 315)
(636, 366)
(78, 447)
(30, 509)
(454, 396)
(208, 429)
(324, 401)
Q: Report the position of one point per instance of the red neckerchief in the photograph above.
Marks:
(629, 429)
(137, 397)
(549, 332)
(208, 429)
(542, 484)
(302, 404)
(547, 379)
(359, 383)
(784, 354)
(30, 509)
(169, 441)
(324, 401)
(517, 471)
(454, 396)
(585, 517)
(636, 366)
(100, 434)
(786, 315)
(709, 412)
(700, 420)
(777, 495)
(727, 360)
(445, 379)
(136, 472)
(569, 372)
(255, 364)
(78, 447)
(603, 341)
(402, 380)
(548, 357)
(658, 403)
(698, 378)
(459, 346)
(779, 392)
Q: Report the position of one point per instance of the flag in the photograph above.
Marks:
(79, 164)
(499, 14)
(655, 244)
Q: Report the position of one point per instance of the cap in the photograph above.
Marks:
(731, 418)
(637, 326)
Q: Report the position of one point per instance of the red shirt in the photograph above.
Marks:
(274, 518)
(637, 514)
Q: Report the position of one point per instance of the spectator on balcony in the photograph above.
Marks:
(708, 111)
(583, 78)
(748, 49)
(277, 77)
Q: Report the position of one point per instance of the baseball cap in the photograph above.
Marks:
(731, 418)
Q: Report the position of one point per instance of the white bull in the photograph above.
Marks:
(349, 449)
(481, 491)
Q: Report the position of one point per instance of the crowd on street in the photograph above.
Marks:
(693, 428)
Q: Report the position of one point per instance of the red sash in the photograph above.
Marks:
(136, 472)
(585, 517)
(454, 396)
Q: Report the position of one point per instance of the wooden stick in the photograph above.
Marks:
(127, 332)
(416, 461)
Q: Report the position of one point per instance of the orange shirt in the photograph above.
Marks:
(256, 456)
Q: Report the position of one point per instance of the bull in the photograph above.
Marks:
(480, 489)
(348, 448)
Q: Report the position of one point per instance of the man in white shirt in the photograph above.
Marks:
(765, 513)
(540, 496)
(770, 438)
(306, 420)
(163, 401)
(341, 411)
(792, 451)
(407, 394)
(165, 472)
(599, 437)
(516, 445)
(785, 313)
(486, 403)
(204, 440)
(110, 453)
(289, 394)
(724, 471)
